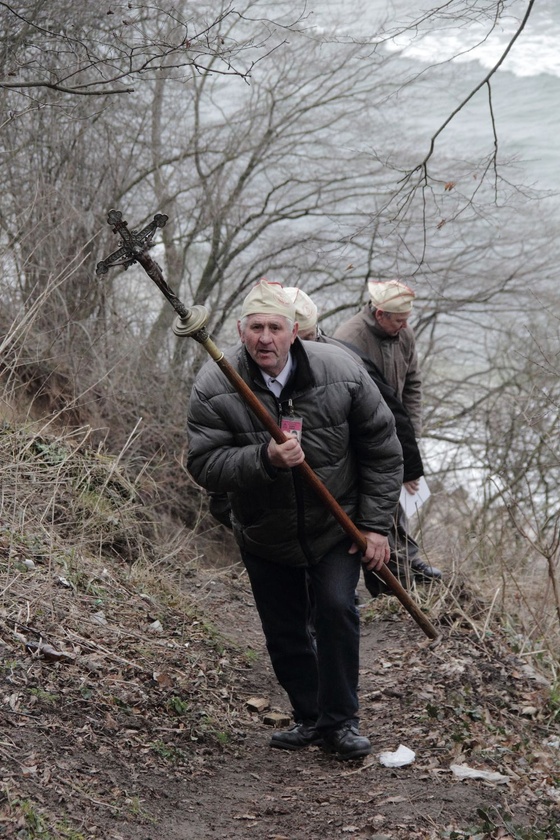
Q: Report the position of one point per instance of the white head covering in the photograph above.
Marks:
(306, 311)
(391, 296)
(268, 298)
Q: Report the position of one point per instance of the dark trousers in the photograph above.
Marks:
(315, 658)
(405, 546)
(404, 550)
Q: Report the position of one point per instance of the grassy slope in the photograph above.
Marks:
(117, 688)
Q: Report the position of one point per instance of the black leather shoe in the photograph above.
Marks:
(346, 742)
(423, 571)
(301, 735)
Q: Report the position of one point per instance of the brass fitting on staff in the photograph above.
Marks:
(197, 318)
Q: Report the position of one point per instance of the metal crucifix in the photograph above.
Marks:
(192, 322)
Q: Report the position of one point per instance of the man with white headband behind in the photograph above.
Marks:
(380, 335)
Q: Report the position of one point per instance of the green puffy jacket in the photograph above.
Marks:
(348, 438)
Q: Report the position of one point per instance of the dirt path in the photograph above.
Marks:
(145, 734)
(461, 702)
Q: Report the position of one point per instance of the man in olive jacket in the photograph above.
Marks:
(406, 563)
(380, 332)
(296, 554)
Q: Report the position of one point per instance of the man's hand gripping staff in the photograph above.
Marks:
(283, 449)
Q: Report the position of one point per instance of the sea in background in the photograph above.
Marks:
(453, 59)
(525, 89)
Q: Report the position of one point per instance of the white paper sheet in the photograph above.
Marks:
(411, 503)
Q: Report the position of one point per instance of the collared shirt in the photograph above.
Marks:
(276, 383)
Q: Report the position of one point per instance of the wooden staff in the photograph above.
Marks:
(192, 323)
